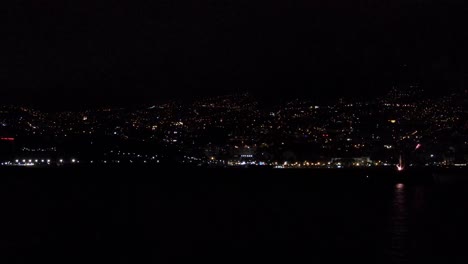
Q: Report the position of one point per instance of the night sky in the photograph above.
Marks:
(89, 53)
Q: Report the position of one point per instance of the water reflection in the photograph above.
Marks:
(399, 225)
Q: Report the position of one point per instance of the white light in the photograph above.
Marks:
(73, 160)
(48, 161)
(16, 161)
(61, 161)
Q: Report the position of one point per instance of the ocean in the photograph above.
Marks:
(161, 215)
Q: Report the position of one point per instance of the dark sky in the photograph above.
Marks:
(87, 53)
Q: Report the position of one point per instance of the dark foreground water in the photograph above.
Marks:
(231, 216)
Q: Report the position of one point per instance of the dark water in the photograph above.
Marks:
(216, 216)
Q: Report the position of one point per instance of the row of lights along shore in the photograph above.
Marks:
(42, 161)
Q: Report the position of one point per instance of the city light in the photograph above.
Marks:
(296, 134)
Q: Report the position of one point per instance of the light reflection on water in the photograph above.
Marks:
(399, 225)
